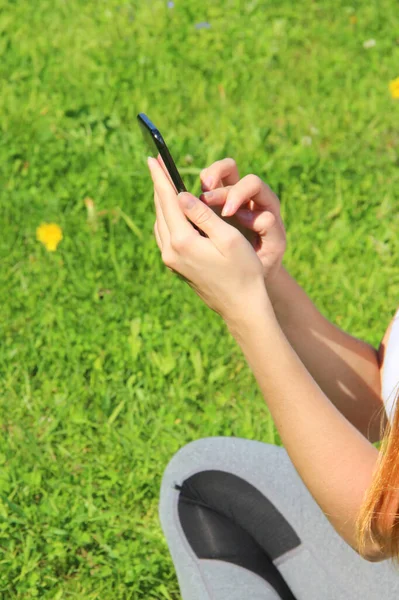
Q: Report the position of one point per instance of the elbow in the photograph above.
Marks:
(372, 552)
(375, 556)
(384, 542)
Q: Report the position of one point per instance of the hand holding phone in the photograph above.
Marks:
(159, 150)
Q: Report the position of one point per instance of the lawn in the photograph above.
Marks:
(109, 363)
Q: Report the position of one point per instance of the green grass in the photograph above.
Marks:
(109, 362)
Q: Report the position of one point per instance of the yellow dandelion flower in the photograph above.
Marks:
(394, 88)
(49, 234)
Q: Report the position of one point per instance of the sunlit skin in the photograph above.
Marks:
(223, 189)
(223, 268)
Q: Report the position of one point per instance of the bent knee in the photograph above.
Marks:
(189, 458)
(237, 455)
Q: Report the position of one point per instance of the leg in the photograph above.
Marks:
(241, 515)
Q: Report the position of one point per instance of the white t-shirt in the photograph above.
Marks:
(390, 369)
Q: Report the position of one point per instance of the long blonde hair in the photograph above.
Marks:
(379, 514)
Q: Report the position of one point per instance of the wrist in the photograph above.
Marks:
(275, 286)
(249, 315)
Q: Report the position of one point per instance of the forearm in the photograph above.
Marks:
(344, 367)
(333, 459)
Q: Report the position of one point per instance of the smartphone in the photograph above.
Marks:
(159, 150)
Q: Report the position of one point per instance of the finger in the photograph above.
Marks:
(163, 230)
(259, 221)
(161, 162)
(252, 188)
(157, 236)
(159, 243)
(216, 197)
(219, 197)
(168, 205)
(221, 172)
(217, 230)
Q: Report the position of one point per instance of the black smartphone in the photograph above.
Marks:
(159, 150)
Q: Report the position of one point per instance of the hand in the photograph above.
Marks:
(260, 213)
(223, 268)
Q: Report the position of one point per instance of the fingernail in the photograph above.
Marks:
(207, 195)
(207, 184)
(227, 209)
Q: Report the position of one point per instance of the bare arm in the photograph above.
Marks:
(334, 460)
(346, 368)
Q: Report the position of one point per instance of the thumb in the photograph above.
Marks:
(203, 216)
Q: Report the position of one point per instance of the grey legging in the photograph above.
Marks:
(217, 492)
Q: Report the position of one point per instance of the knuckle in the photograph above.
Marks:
(230, 161)
(233, 238)
(168, 258)
(219, 168)
(270, 219)
(254, 180)
(179, 242)
(203, 216)
(211, 171)
(225, 166)
(282, 247)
